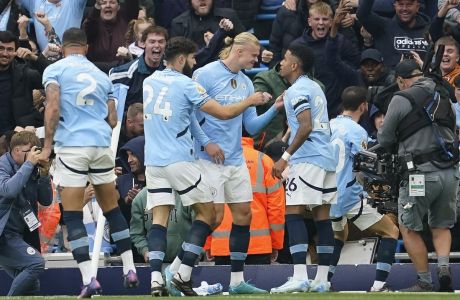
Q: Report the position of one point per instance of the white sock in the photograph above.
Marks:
(378, 284)
(85, 270)
(321, 274)
(300, 272)
(156, 276)
(185, 273)
(236, 278)
(174, 266)
(128, 262)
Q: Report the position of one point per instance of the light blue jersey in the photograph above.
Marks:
(227, 88)
(348, 138)
(84, 91)
(169, 100)
(63, 15)
(317, 149)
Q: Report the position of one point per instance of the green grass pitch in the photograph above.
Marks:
(301, 296)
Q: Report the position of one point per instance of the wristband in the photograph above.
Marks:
(286, 156)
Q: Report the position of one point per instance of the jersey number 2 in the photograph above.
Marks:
(82, 98)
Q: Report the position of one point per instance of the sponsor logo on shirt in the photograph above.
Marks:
(407, 43)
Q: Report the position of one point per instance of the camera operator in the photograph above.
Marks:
(349, 138)
(21, 186)
(430, 173)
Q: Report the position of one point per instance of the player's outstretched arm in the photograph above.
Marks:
(219, 111)
(52, 114)
(254, 123)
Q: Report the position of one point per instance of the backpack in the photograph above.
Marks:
(429, 109)
(433, 110)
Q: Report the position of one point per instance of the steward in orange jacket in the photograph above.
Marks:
(268, 209)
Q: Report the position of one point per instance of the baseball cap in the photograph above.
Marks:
(373, 54)
(406, 68)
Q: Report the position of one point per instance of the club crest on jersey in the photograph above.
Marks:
(364, 144)
(233, 83)
(200, 89)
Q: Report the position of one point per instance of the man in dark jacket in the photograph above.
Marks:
(398, 35)
(372, 71)
(201, 18)
(127, 79)
(21, 187)
(17, 81)
(128, 185)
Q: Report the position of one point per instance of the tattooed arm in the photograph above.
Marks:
(52, 114)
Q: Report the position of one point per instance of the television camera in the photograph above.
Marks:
(381, 178)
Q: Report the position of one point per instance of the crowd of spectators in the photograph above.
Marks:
(355, 42)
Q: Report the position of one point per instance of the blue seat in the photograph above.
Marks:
(270, 8)
(399, 247)
(264, 43)
(252, 72)
(270, 5)
(265, 17)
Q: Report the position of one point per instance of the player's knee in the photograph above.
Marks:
(242, 216)
(206, 213)
(218, 220)
(393, 231)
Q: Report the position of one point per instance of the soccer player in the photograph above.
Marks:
(225, 81)
(311, 179)
(170, 99)
(79, 116)
(349, 138)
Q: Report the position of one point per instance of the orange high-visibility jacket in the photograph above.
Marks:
(49, 217)
(268, 208)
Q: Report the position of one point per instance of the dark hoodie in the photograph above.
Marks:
(125, 182)
(193, 27)
(392, 37)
